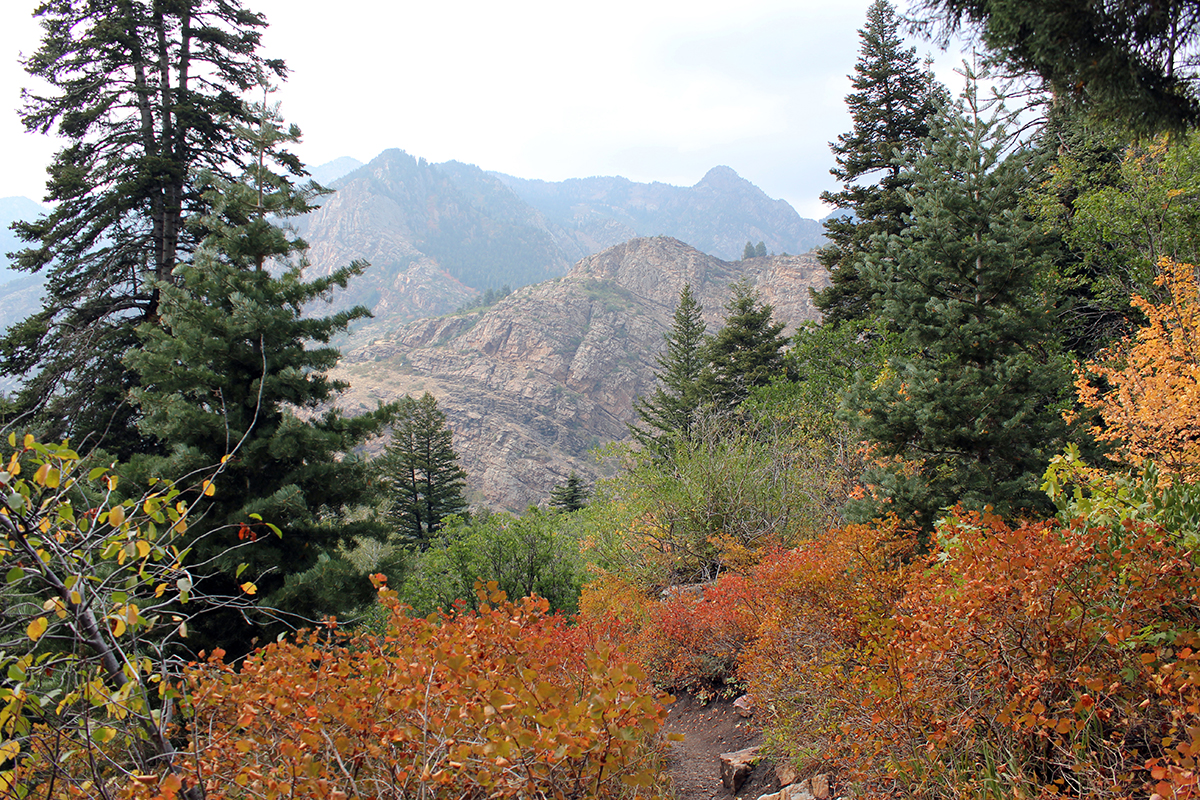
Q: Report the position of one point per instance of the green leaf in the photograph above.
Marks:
(15, 574)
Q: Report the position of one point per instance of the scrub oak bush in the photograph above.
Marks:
(499, 702)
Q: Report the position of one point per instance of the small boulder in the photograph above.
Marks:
(736, 767)
(745, 705)
(796, 791)
(820, 787)
(786, 774)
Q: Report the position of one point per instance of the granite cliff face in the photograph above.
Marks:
(532, 383)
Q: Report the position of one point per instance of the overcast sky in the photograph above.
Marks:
(653, 90)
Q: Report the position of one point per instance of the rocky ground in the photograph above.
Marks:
(710, 729)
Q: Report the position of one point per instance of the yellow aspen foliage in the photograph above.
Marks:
(1151, 406)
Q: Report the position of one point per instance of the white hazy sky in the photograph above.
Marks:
(653, 90)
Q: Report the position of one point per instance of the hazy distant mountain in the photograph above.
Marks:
(330, 171)
(437, 235)
(532, 383)
(718, 215)
(11, 210)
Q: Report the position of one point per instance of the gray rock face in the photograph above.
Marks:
(530, 384)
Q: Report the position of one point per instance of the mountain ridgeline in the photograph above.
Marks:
(439, 235)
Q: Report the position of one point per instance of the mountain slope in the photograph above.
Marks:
(532, 383)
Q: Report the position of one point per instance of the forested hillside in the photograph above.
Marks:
(940, 542)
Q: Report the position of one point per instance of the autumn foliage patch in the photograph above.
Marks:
(496, 703)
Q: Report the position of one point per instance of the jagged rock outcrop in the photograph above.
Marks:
(532, 383)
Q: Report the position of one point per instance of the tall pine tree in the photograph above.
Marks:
(972, 405)
(147, 96)
(670, 410)
(421, 471)
(891, 104)
(233, 373)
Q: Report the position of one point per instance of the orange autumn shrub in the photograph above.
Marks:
(1147, 389)
(689, 639)
(503, 702)
(1044, 660)
(817, 662)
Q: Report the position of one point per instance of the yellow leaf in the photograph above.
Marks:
(29, 441)
(112, 483)
(158, 590)
(208, 488)
(131, 614)
(76, 598)
(103, 735)
(9, 750)
(116, 516)
(117, 625)
(249, 588)
(37, 628)
(143, 549)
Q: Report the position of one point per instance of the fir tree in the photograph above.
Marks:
(891, 104)
(746, 353)
(571, 496)
(224, 371)
(670, 409)
(760, 250)
(748, 251)
(146, 95)
(972, 406)
(421, 471)
(1129, 62)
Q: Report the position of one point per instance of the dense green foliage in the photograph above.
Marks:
(971, 406)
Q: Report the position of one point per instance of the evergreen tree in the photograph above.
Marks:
(972, 405)
(748, 252)
(760, 250)
(670, 409)
(1125, 61)
(891, 104)
(224, 371)
(571, 496)
(146, 95)
(746, 353)
(421, 470)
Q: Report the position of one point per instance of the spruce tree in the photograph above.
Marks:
(891, 104)
(670, 410)
(421, 471)
(571, 496)
(147, 96)
(748, 251)
(233, 373)
(972, 405)
(760, 250)
(746, 353)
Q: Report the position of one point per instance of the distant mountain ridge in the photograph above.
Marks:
(716, 216)
(437, 235)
